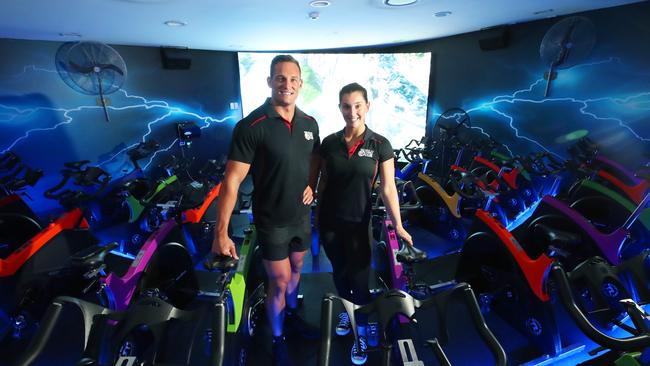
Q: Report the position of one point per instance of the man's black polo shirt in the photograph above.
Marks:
(279, 153)
(351, 174)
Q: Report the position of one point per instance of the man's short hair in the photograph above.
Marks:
(283, 58)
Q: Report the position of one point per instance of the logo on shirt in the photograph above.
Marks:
(366, 152)
(309, 135)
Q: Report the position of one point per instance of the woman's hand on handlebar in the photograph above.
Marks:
(224, 246)
(405, 236)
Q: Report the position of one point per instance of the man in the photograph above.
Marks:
(278, 143)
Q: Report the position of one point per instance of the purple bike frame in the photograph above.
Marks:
(398, 277)
(609, 244)
(396, 269)
(119, 290)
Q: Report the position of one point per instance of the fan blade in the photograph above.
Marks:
(81, 69)
(564, 44)
(63, 66)
(111, 67)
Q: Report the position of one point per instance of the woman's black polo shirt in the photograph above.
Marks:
(279, 153)
(351, 175)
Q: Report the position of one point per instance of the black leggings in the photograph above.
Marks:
(347, 245)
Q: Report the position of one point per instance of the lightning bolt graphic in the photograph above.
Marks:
(28, 68)
(639, 101)
(165, 107)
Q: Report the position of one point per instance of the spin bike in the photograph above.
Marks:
(18, 223)
(510, 271)
(243, 294)
(164, 325)
(396, 305)
(40, 268)
(106, 210)
(399, 334)
(161, 275)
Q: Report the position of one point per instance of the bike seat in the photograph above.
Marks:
(219, 262)
(92, 256)
(555, 236)
(410, 254)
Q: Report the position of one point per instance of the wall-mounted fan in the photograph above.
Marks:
(451, 119)
(91, 68)
(565, 44)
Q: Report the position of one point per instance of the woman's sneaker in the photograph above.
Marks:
(344, 326)
(359, 355)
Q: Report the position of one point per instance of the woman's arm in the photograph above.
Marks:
(388, 191)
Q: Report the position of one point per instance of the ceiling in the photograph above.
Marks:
(269, 25)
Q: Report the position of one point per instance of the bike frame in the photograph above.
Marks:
(70, 220)
(609, 244)
(137, 207)
(237, 285)
(452, 202)
(119, 290)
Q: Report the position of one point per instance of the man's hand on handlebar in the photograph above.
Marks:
(224, 246)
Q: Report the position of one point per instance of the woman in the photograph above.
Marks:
(351, 160)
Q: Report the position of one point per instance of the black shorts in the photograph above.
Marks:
(277, 242)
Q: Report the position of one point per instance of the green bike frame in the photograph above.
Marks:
(237, 286)
(644, 218)
(136, 207)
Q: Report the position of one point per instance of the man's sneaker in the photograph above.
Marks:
(344, 326)
(359, 355)
(294, 324)
(280, 352)
(373, 334)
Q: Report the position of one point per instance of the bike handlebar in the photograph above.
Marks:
(89, 176)
(394, 302)
(634, 343)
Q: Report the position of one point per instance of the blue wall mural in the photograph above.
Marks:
(605, 95)
(47, 122)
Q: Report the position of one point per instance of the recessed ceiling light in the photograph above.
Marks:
(314, 15)
(175, 23)
(320, 3)
(442, 14)
(399, 2)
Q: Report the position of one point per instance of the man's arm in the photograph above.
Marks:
(235, 173)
